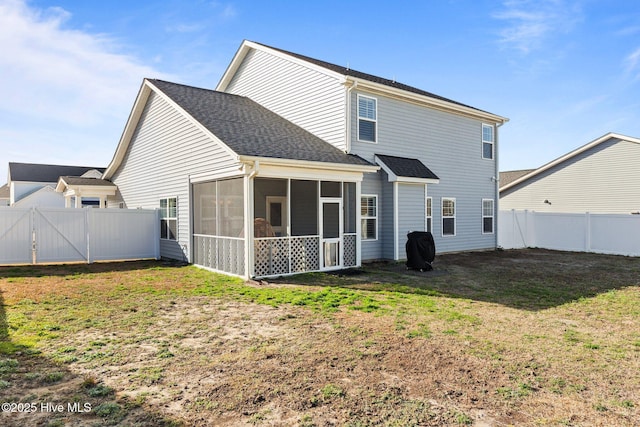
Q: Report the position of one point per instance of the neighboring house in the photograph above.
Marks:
(599, 177)
(4, 195)
(321, 167)
(34, 185)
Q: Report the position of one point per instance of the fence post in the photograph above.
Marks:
(87, 233)
(32, 226)
(587, 232)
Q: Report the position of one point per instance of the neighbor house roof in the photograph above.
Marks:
(508, 177)
(4, 192)
(353, 75)
(534, 172)
(405, 169)
(32, 172)
(250, 129)
(75, 180)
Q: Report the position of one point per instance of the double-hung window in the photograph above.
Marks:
(488, 139)
(367, 119)
(369, 217)
(487, 216)
(169, 218)
(448, 216)
(429, 214)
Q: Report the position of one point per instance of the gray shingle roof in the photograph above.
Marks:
(508, 177)
(33, 172)
(250, 129)
(369, 77)
(405, 167)
(75, 180)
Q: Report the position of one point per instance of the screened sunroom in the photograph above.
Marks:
(295, 225)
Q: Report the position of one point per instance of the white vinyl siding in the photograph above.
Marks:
(448, 216)
(488, 216)
(488, 139)
(367, 119)
(302, 95)
(449, 145)
(603, 179)
(369, 217)
(165, 149)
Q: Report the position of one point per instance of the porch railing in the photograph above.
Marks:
(285, 255)
(220, 253)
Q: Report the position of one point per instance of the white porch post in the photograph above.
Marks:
(67, 201)
(78, 200)
(358, 224)
(396, 225)
(103, 199)
(248, 227)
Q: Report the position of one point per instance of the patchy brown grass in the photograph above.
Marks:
(499, 338)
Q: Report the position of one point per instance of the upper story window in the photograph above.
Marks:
(367, 119)
(488, 139)
(169, 218)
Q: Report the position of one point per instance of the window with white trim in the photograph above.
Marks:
(487, 216)
(169, 218)
(488, 139)
(369, 217)
(367, 119)
(448, 216)
(429, 214)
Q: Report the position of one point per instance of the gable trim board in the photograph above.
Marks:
(534, 172)
(352, 79)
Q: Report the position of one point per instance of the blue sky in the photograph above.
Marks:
(564, 71)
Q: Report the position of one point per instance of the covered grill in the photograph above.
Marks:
(421, 250)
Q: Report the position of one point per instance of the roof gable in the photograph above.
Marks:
(566, 158)
(250, 129)
(347, 74)
(405, 169)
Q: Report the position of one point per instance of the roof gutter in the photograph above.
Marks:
(308, 164)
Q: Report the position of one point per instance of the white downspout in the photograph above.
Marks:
(347, 124)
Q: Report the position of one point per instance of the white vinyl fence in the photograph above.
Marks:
(49, 235)
(601, 233)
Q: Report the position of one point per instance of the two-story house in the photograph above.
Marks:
(295, 164)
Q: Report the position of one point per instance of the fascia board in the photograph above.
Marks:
(129, 128)
(132, 123)
(248, 45)
(233, 66)
(310, 164)
(424, 100)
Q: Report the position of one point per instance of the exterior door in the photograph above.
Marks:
(277, 214)
(331, 233)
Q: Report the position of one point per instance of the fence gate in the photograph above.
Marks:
(60, 235)
(49, 235)
(16, 236)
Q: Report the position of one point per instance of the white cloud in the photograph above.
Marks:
(56, 73)
(66, 94)
(632, 62)
(529, 23)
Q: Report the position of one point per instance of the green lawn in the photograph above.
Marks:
(526, 337)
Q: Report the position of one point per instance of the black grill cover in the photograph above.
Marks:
(421, 250)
